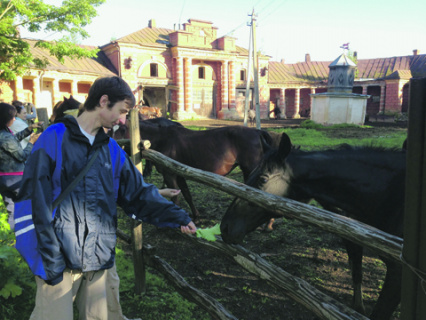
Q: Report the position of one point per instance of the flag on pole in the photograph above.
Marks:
(345, 46)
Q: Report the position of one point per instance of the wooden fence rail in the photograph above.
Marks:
(378, 241)
(298, 289)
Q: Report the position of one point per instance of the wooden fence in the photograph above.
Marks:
(413, 302)
(320, 304)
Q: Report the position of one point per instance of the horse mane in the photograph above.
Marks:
(60, 108)
(369, 147)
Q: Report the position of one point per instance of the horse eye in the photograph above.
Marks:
(262, 180)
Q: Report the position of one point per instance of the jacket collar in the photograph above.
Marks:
(71, 123)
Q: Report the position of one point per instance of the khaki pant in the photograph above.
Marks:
(88, 289)
(113, 295)
(56, 302)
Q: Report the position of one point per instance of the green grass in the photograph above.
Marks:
(195, 128)
(317, 139)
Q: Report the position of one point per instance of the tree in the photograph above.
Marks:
(69, 19)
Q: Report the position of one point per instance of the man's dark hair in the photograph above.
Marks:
(114, 87)
(19, 108)
(7, 112)
(17, 103)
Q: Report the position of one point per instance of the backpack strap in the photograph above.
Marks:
(72, 185)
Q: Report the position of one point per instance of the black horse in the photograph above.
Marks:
(218, 150)
(60, 108)
(365, 183)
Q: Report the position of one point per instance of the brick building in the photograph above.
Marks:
(189, 72)
(46, 87)
(386, 80)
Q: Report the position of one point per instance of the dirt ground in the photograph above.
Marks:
(303, 251)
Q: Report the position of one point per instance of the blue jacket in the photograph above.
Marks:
(81, 232)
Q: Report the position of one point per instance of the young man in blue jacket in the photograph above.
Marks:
(70, 248)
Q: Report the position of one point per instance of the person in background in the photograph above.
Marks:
(21, 124)
(12, 157)
(70, 248)
(29, 116)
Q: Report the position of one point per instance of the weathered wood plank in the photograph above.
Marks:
(380, 242)
(138, 264)
(42, 117)
(413, 302)
(299, 290)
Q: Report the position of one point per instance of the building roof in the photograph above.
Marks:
(302, 71)
(341, 61)
(100, 65)
(158, 37)
(379, 68)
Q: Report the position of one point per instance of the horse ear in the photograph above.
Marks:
(285, 146)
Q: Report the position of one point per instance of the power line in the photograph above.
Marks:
(266, 6)
(236, 28)
(181, 11)
(274, 10)
(245, 22)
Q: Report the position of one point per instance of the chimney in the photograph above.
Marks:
(152, 24)
(282, 61)
(307, 57)
(355, 54)
(415, 52)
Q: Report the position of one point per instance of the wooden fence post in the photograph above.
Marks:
(42, 116)
(413, 301)
(138, 263)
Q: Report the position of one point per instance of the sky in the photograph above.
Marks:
(284, 29)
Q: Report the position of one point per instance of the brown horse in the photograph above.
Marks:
(217, 150)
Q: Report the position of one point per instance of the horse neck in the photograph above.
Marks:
(343, 179)
(161, 136)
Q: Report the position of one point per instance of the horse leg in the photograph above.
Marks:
(390, 296)
(355, 253)
(181, 182)
(169, 181)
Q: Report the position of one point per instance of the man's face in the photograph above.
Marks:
(115, 115)
(22, 114)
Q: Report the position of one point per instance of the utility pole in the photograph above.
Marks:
(246, 105)
(256, 69)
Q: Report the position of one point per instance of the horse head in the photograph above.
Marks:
(64, 107)
(270, 176)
